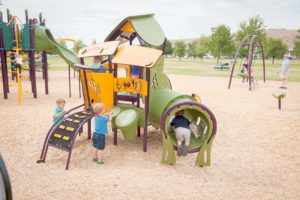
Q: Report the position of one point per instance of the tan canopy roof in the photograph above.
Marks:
(101, 49)
(136, 55)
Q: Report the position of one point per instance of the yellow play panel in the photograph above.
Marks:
(133, 85)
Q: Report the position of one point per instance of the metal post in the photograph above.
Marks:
(69, 73)
(138, 103)
(3, 61)
(4, 69)
(279, 103)
(79, 81)
(6, 72)
(263, 58)
(44, 62)
(8, 14)
(146, 111)
(250, 57)
(26, 16)
(41, 18)
(45, 70)
(32, 61)
(115, 103)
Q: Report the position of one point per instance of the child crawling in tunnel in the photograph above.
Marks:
(183, 128)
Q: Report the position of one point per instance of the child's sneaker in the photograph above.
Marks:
(95, 159)
(179, 151)
(185, 150)
(100, 162)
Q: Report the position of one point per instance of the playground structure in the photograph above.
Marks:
(251, 42)
(18, 38)
(5, 187)
(28, 39)
(126, 94)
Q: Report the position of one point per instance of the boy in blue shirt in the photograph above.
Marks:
(284, 71)
(101, 131)
(97, 65)
(59, 109)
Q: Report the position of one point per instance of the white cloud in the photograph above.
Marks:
(179, 19)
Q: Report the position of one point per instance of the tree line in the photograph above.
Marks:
(222, 43)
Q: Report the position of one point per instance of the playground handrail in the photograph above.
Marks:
(54, 126)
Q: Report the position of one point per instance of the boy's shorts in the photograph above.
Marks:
(183, 134)
(99, 141)
(284, 75)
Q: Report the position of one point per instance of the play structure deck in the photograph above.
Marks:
(137, 101)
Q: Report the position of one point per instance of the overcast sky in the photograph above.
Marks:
(179, 18)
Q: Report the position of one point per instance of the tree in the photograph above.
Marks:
(179, 49)
(296, 49)
(203, 46)
(254, 26)
(275, 48)
(221, 42)
(168, 48)
(79, 45)
(192, 48)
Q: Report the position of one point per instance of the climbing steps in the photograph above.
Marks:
(63, 133)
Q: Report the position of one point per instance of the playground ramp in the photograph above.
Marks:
(44, 41)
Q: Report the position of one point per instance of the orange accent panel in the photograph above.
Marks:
(128, 27)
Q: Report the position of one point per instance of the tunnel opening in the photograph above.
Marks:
(198, 115)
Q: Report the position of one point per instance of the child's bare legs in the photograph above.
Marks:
(284, 81)
(95, 157)
(194, 130)
(100, 155)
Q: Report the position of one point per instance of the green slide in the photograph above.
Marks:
(44, 41)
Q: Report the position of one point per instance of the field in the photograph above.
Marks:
(255, 154)
(205, 67)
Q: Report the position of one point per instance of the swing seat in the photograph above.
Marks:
(243, 75)
(279, 95)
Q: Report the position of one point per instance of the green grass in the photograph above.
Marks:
(205, 67)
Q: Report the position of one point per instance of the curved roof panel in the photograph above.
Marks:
(145, 26)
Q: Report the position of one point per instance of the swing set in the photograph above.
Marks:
(252, 43)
